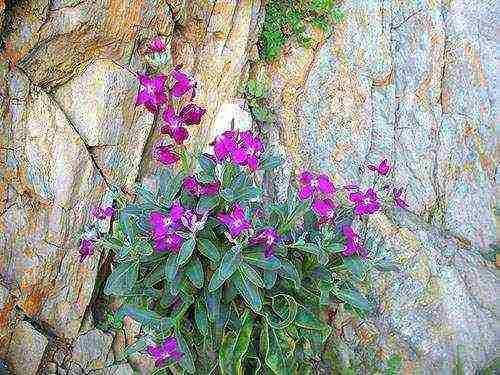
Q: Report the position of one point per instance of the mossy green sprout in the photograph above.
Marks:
(288, 18)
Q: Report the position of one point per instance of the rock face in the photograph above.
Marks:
(410, 81)
(414, 84)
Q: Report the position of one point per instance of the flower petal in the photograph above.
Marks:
(305, 192)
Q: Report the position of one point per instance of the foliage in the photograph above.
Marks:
(233, 308)
(220, 276)
(288, 18)
(256, 95)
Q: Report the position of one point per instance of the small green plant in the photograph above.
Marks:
(256, 94)
(288, 18)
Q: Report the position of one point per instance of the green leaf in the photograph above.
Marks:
(226, 353)
(356, 266)
(200, 317)
(243, 342)
(275, 358)
(112, 244)
(228, 265)
(136, 347)
(288, 271)
(212, 301)
(286, 312)
(207, 164)
(354, 298)
(270, 278)
(271, 163)
(207, 203)
(251, 274)
(171, 267)
(208, 249)
(122, 280)
(144, 316)
(248, 291)
(169, 186)
(187, 360)
(306, 319)
(186, 251)
(195, 273)
(258, 260)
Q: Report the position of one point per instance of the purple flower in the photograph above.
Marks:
(382, 169)
(157, 44)
(211, 188)
(311, 184)
(86, 249)
(174, 126)
(352, 246)
(101, 214)
(235, 221)
(165, 351)
(325, 209)
(268, 238)
(153, 93)
(366, 203)
(250, 151)
(183, 83)
(171, 242)
(191, 114)
(195, 188)
(244, 148)
(165, 155)
(163, 224)
(397, 198)
(224, 145)
(192, 186)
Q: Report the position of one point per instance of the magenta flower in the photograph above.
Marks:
(224, 145)
(102, 213)
(192, 186)
(165, 351)
(268, 238)
(250, 151)
(183, 82)
(86, 249)
(195, 188)
(352, 246)
(165, 155)
(171, 242)
(157, 44)
(311, 184)
(153, 93)
(325, 209)
(174, 126)
(382, 169)
(191, 114)
(163, 224)
(397, 198)
(211, 188)
(366, 203)
(235, 221)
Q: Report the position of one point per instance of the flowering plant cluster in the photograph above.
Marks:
(222, 277)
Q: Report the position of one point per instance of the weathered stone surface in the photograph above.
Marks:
(50, 183)
(100, 104)
(438, 306)
(51, 39)
(91, 350)
(26, 349)
(123, 369)
(412, 83)
(8, 319)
